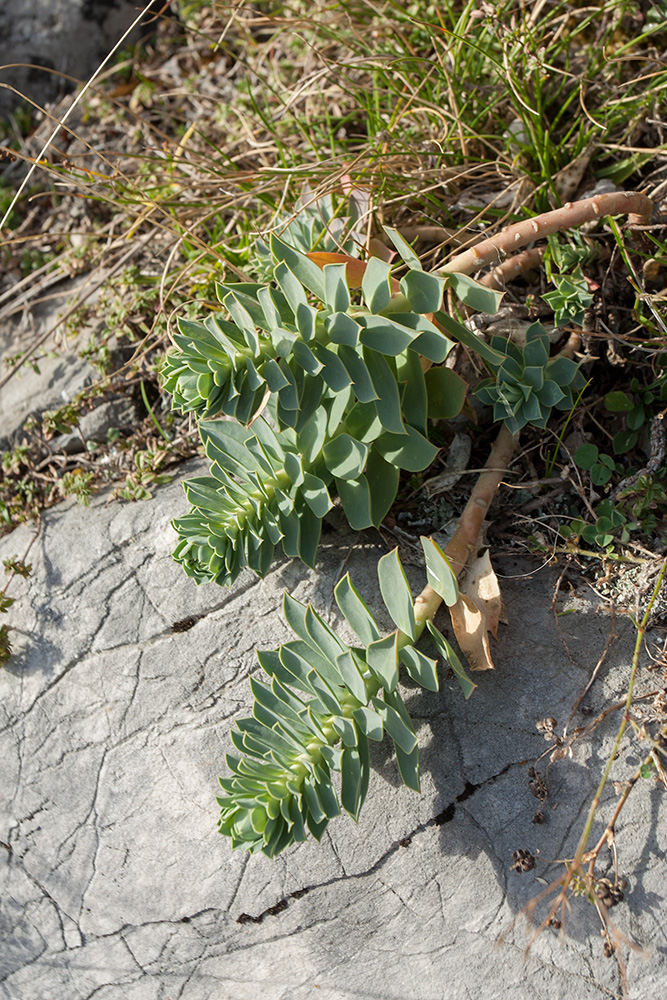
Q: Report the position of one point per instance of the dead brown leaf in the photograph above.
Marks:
(567, 180)
(471, 633)
(478, 612)
(481, 586)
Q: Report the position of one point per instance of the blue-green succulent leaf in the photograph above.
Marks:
(396, 593)
(345, 457)
(336, 291)
(306, 272)
(472, 293)
(423, 291)
(404, 249)
(382, 660)
(375, 284)
(410, 451)
(449, 656)
(421, 668)
(356, 499)
(355, 611)
(440, 574)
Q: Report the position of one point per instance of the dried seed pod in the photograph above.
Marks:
(523, 860)
(546, 727)
(537, 785)
(609, 893)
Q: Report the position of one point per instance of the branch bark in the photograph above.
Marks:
(637, 207)
(511, 268)
(465, 538)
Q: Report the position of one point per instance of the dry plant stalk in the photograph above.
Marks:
(464, 541)
(580, 869)
(638, 208)
(511, 268)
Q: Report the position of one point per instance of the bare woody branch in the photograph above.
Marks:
(493, 251)
(465, 538)
(511, 268)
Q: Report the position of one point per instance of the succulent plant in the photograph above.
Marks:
(276, 341)
(333, 394)
(319, 692)
(267, 487)
(527, 385)
(316, 225)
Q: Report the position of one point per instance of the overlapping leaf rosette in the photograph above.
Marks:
(348, 406)
(527, 385)
(320, 703)
(318, 384)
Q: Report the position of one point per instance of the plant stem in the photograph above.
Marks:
(609, 829)
(641, 629)
(490, 252)
(464, 540)
(151, 414)
(511, 268)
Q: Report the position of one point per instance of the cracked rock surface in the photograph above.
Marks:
(113, 729)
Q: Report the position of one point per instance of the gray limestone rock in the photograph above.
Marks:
(113, 729)
(44, 41)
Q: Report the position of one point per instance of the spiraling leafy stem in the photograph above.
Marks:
(328, 372)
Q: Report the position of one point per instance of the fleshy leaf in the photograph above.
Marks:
(369, 722)
(344, 457)
(472, 293)
(375, 284)
(336, 292)
(305, 270)
(396, 593)
(383, 481)
(423, 291)
(404, 249)
(440, 574)
(399, 729)
(349, 671)
(356, 499)
(449, 656)
(354, 774)
(355, 612)
(446, 393)
(382, 660)
(410, 451)
(421, 668)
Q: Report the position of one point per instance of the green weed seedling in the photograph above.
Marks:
(78, 484)
(138, 484)
(601, 467)
(643, 501)
(14, 566)
(610, 527)
(637, 407)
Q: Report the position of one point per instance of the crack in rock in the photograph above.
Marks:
(446, 815)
